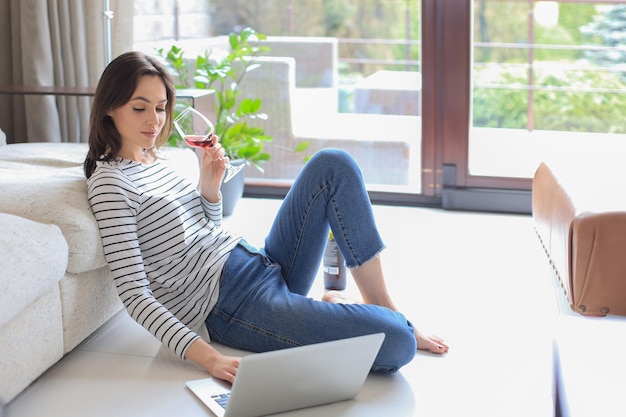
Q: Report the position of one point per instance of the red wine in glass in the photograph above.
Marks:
(197, 131)
(199, 141)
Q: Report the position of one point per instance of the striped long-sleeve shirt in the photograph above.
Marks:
(164, 245)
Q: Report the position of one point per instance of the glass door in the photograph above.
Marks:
(546, 82)
(448, 103)
(344, 73)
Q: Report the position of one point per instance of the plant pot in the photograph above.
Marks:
(232, 190)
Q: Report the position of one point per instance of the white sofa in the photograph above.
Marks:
(55, 285)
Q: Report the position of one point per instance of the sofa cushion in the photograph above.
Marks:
(44, 182)
(34, 259)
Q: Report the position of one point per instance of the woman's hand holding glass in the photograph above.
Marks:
(198, 132)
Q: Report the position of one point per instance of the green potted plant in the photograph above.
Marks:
(223, 74)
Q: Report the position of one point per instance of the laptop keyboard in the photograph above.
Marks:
(221, 399)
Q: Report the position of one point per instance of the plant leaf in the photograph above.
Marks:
(302, 146)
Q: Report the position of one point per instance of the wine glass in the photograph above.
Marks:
(197, 131)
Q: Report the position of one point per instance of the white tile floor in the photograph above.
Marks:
(481, 281)
(590, 365)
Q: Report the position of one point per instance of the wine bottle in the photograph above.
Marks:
(334, 266)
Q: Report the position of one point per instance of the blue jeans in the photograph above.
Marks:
(262, 303)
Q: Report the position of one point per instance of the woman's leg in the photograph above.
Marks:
(329, 191)
(257, 312)
(370, 280)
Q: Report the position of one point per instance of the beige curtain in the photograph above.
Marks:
(55, 43)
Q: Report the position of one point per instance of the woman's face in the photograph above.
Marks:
(140, 121)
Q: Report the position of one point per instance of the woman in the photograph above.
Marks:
(177, 270)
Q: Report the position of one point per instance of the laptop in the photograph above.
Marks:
(294, 378)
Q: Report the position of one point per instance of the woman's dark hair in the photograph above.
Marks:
(115, 88)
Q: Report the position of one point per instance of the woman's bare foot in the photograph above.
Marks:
(429, 343)
(337, 297)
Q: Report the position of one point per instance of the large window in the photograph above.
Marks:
(443, 102)
(548, 82)
(343, 74)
